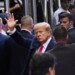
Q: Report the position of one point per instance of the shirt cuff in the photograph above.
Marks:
(11, 32)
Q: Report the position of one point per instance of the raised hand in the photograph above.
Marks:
(11, 22)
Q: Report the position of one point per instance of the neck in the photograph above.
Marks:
(61, 42)
(26, 28)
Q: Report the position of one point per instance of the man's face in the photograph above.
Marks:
(65, 4)
(42, 34)
(65, 22)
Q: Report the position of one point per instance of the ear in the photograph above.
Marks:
(51, 71)
(50, 32)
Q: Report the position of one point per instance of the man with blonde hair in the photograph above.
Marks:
(43, 35)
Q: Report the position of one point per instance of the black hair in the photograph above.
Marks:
(60, 33)
(40, 63)
(65, 14)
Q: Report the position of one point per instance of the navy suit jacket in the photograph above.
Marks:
(35, 45)
(26, 34)
(25, 43)
(12, 56)
(51, 45)
(71, 34)
(4, 55)
(65, 55)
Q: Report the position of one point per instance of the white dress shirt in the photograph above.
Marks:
(44, 46)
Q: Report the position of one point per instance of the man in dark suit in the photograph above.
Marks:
(27, 27)
(12, 56)
(64, 53)
(4, 55)
(67, 21)
(43, 34)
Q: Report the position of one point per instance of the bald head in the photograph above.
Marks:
(26, 21)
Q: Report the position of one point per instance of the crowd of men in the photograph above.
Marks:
(29, 49)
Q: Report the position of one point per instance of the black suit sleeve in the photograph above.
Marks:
(21, 41)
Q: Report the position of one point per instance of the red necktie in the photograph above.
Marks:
(40, 49)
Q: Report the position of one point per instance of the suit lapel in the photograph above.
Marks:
(50, 45)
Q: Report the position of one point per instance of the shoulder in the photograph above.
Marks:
(4, 37)
(59, 10)
(71, 30)
(67, 48)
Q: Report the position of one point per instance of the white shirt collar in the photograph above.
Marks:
(46, 44)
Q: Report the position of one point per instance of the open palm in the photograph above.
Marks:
(11, 22)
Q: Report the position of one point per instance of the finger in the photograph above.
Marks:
(9, 15)
(16, 21)
(12, 15)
